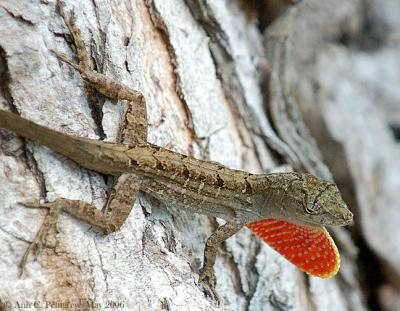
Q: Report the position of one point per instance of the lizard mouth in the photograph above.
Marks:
(343, 219)
(325, 222)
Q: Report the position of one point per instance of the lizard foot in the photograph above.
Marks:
(47, 232)
(208, 280)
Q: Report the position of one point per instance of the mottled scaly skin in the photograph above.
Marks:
(199, 186)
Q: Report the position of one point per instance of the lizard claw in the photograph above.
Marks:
(208, 279)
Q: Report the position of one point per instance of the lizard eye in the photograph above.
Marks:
(313, 209)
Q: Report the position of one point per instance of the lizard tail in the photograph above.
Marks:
(107, 158)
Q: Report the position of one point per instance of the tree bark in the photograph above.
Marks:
(217, 88)
(345, 74)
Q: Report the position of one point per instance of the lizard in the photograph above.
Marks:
(289, 211)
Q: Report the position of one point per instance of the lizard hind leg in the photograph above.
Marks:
(46, 236)
(117, 210)
(104, 85)
(126, 186)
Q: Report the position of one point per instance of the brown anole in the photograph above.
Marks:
(287, 210)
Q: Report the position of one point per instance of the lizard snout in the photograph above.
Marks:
(347, 216)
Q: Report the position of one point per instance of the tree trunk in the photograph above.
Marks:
(224, 81)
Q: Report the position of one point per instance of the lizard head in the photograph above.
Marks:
(293, 210)
(306, 200)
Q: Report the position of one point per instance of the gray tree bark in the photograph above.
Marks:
(224, 81)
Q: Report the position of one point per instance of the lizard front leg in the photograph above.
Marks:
(126, 186)
(207, 275)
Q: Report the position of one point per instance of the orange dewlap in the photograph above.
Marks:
(310, 249)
